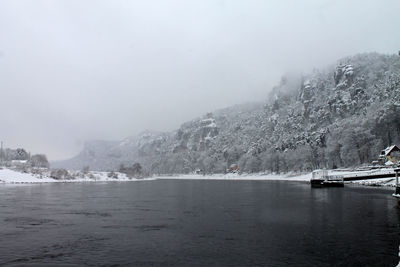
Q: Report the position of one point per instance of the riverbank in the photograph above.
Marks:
(234, 176)
(356, 174)
(9, 176)
(385, 182)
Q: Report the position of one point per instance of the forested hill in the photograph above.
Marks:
(336, 117)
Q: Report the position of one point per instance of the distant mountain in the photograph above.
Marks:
(94, 154)
(340, 116)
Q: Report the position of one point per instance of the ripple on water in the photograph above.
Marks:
(27, 264)
(27, 221)
(88, 213)
(203, 225)
(146, 228)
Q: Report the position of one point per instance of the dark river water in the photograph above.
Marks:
(197, 223)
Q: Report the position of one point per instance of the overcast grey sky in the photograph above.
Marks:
(75, 70)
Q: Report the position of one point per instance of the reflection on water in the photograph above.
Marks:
(201, 223)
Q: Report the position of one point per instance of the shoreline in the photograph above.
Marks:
(8, 176)
(242, 177)
(12, 177)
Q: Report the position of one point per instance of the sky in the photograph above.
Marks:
(78, 70)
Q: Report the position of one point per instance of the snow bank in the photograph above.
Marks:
(9, 176)
(233, 176)
(389, 182)
(352, 173)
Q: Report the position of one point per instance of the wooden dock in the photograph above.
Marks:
(397, 190)
(366, 177)
(320, 178)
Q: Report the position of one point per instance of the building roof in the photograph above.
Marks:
(389, 149)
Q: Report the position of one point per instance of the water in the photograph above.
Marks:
(197, 223)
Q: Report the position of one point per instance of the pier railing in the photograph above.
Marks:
(324, 175)
(319, 175)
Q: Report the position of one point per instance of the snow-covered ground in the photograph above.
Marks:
(234, 176)
(296, 177)
(9, 176)
(389, 182)
(355, 173)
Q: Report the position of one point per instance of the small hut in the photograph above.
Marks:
(233, 168)
(390, 155)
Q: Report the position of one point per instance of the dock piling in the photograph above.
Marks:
(397, 192)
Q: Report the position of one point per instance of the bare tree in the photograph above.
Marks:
(39, 160)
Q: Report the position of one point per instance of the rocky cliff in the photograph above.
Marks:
(342, 115)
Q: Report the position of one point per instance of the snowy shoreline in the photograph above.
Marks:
(237, 177)
(8, 176)
(380, 182)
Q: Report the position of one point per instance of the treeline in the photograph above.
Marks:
(19, 156)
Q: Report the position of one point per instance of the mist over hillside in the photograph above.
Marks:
(339, 116)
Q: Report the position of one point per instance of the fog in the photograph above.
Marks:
(72, 71)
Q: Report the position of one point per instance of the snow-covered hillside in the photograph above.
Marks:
(340, 116)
